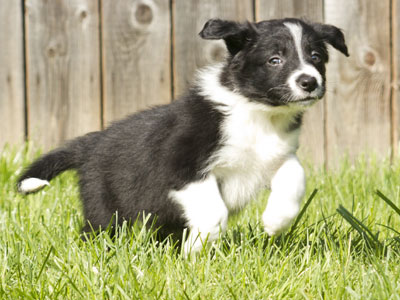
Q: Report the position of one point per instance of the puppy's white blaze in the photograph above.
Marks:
(31, 185)
(204, 210)
(297, 32)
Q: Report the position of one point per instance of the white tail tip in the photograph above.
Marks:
(31, 185)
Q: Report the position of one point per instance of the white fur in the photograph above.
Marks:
(256, 142)
(287, 190)
(257, 148)
(204, 209)
(304, 68)
(31, 185)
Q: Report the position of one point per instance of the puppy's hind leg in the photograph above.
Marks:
(99, 213)
(204, 210)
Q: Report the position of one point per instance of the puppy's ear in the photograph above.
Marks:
(236, 35)
(332, 35)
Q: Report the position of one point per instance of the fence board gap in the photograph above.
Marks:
(190, 51)
(101, 63)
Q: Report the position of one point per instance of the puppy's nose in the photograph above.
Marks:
(307, 82)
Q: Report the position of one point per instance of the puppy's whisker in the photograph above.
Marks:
(279, 87)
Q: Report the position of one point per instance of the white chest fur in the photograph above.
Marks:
(255, 144)
(256, 141)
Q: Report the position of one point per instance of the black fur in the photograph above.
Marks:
(248, 69)
(296, 122)
(131, 166)
(236, 35)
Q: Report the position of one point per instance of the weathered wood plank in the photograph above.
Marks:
(276, 9)
(190, 51)
(396, 76)
(63, 73)
(312, 139)
(136, 56)
(12, 113)
(358, 104)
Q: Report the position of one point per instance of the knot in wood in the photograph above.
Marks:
(369, 58)
(144, 14)
(83, 14)
(51, 52)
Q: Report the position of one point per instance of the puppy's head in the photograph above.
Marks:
(277, 62)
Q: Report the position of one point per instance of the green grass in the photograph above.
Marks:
(345, 246)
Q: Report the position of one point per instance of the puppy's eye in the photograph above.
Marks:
(316, 57)
(275, 61)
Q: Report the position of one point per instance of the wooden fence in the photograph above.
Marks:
(68, 67)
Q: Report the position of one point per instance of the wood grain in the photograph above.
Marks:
(312, 139)
(76, 48)
(277, 9)
(12, 107)
(190, 51)
(136, 56)
(63, 74)
(358, 105)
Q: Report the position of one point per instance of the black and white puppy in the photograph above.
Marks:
(209, 153)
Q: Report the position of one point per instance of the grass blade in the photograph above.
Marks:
(390, 228)
(388, 201)
(45, 262)
(303, 210)
(363, 230)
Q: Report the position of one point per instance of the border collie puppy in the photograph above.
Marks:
(192, 162)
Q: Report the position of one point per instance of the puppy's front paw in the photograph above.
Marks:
(275, 225)
(275, 222)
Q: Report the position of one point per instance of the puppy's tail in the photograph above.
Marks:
(48, 166)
